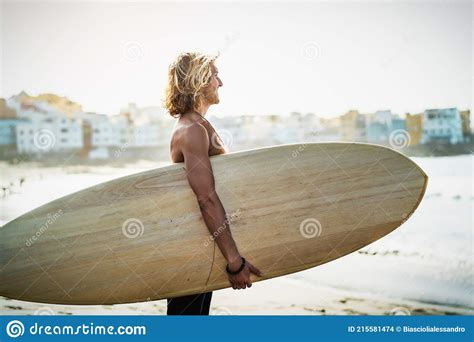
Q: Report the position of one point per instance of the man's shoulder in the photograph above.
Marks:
(195, 133)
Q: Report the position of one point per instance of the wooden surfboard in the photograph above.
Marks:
(142, 237)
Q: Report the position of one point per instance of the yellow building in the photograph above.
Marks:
(414, 127)
(466, 123)
(353, 126)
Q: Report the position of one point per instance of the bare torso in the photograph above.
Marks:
(179, 130)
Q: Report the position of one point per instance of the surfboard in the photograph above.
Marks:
(142, 237)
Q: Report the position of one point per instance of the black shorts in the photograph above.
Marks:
(190, 305)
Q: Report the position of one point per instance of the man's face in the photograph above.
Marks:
(212, 95)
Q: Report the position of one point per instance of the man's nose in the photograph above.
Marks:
(220, 82)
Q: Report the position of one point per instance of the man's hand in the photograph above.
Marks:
(242, 279)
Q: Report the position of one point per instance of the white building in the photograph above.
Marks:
(381, 116)
(146, 135)
(234, 131)
(107, 131)
(311, 126)
(151, 125)
(45, 130)
(443, 125)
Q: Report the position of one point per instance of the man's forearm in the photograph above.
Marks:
(213, 214)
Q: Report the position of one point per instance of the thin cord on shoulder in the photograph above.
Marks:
(211, 126)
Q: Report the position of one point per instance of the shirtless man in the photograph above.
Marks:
(193, 84)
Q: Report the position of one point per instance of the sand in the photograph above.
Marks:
(280, 296)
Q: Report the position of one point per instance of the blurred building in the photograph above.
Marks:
(377, 132)
(381, 125)
(330, 129)
(7, 131)
(414, 127)
(442, 125)
(353, 126)
(466, 124)
(8, 142)
(147, 126)
(5, 111)
(233, 130)
(54, 134)
(43, 127)
(102, 132)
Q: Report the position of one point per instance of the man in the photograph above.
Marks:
(193, 85)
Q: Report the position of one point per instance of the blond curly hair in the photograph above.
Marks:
(188, 77)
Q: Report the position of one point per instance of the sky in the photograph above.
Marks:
(320, 57)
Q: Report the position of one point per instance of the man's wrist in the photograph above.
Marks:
(238, 269)
(235, 262)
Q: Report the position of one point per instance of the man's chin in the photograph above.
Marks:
(213, 100)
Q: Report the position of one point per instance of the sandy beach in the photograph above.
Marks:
(280, 296)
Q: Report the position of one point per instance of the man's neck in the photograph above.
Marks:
(203, 109)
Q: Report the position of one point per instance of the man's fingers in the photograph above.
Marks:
(255, 270)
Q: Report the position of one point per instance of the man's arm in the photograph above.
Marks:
(201, 179)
